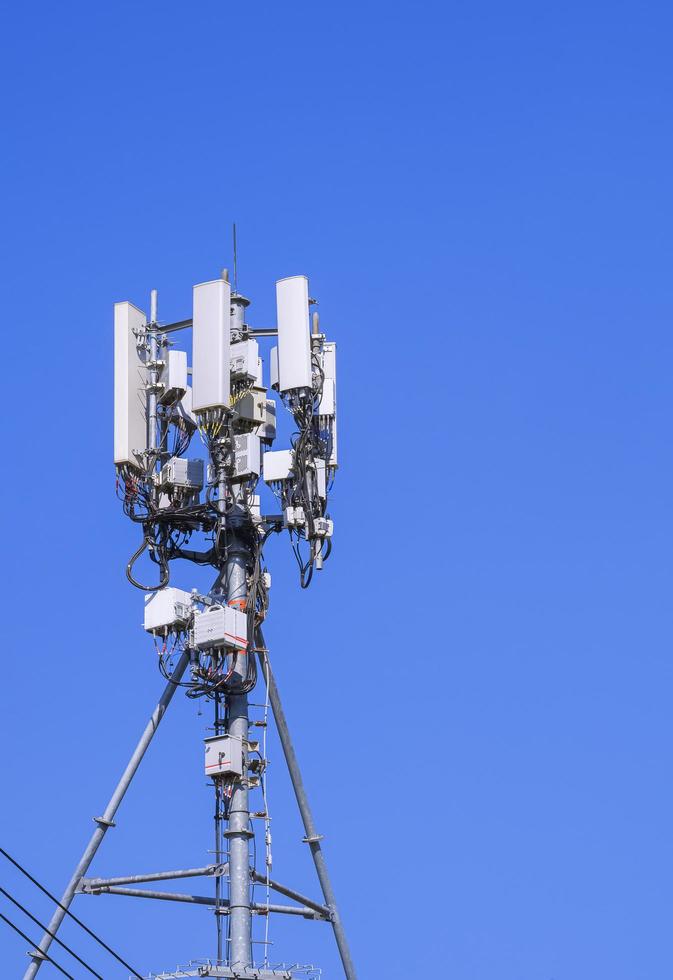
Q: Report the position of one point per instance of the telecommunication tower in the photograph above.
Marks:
(210, 644)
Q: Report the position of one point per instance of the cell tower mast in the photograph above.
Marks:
(211, 644)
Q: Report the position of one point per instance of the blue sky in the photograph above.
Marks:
(479, 683)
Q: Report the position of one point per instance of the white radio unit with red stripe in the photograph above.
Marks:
(220, 626)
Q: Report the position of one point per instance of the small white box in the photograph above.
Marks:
(211, 345)
(243, 358)
(277, 465)
(173, 377)
(294, 334)
(166, 608)
(130, 394)
(247, 453)
(220, 626)
(224, 756)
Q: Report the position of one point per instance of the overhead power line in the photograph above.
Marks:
(29, 940)
(71, 914)
(54, 937)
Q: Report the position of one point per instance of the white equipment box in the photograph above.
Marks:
(220, 626)
(211, 345)
(247, 455)
(184, 410)
(173, 377)
(130, 401)
(251, 407)
(277, 465)
(167, 608)
(294, 334)
(224, 756)
(267, 430)
(182, 473)
(243, 358)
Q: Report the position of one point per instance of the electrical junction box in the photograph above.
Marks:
(277, 465)
(267, 430)
(273, 368)
(167, 608)
(243, 358)
(294, 517)
(294, 334)
(251, 407)
(323, 527)
(224, 756)
(173, 377)
(220, 626)
(247, 455)
(182, 473)
(211, 345)
(130, 393)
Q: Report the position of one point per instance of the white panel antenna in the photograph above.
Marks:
(294, 334)
(211, 345)
(130, 396)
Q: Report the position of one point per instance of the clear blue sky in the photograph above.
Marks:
(480, 682)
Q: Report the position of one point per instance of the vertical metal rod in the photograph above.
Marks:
(107, 820)
(153, 379)
(239, 833)
(312, 837)
(218, 843)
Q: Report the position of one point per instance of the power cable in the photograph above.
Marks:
(71, 914)
(28, 940)
(53, 935)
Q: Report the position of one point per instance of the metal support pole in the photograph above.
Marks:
(154, 376)
(312, 837)
(107, 820)
(239, 833)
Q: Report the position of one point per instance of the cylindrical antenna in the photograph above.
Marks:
(225, 275)
(154, 306)
(316, 323)
(235, 261)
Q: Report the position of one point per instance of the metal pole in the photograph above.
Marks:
(107, 820)
(239, 833)
(312, 837)
(154, 376)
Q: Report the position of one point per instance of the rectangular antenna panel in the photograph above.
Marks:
(273, 367)
(130, 401)
(211, 345)
(294, 334)
(328, 398)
